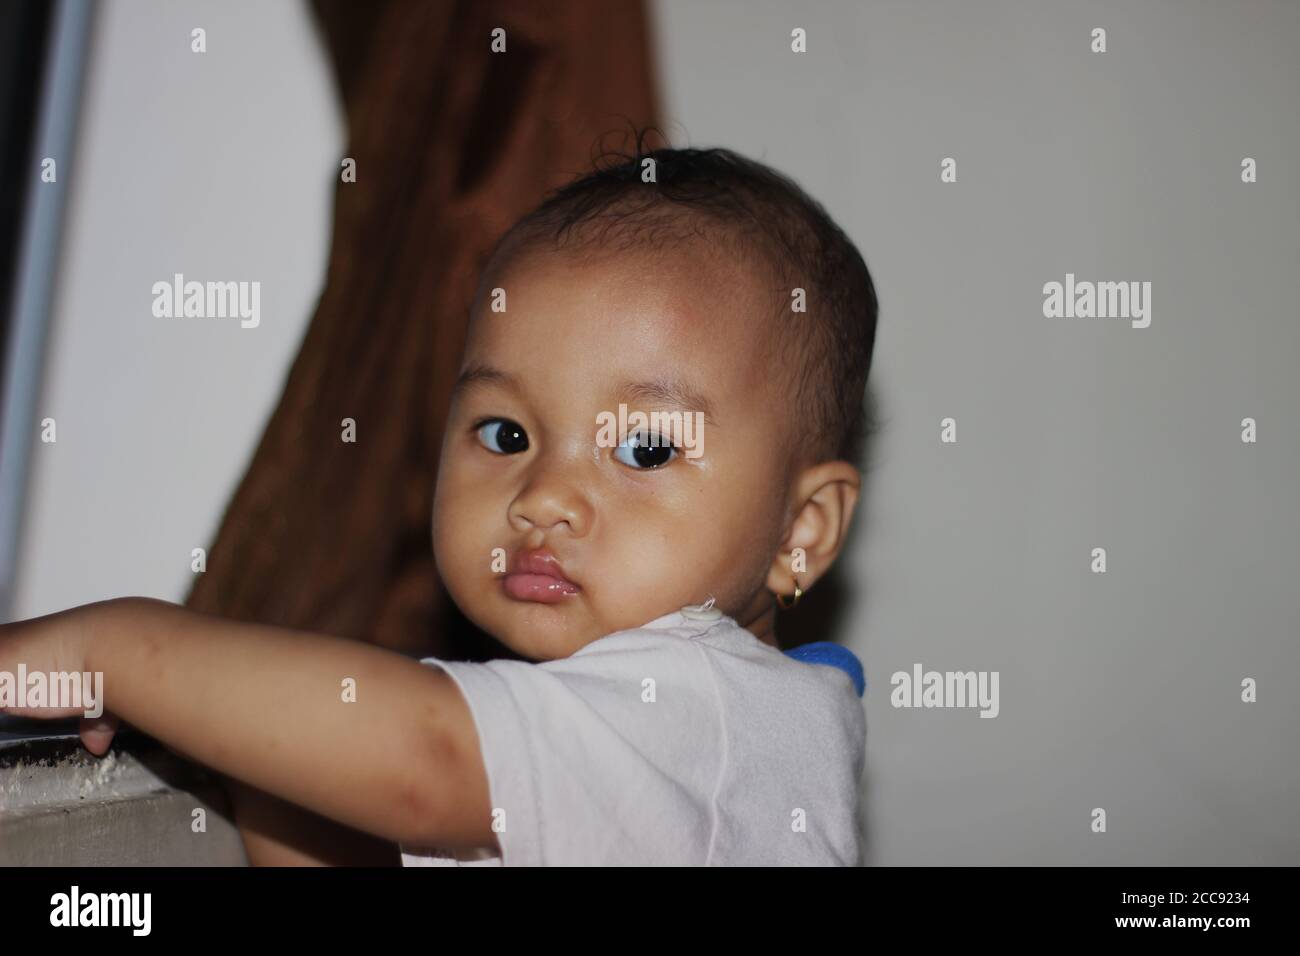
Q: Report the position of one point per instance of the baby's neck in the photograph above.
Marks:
(762, 625)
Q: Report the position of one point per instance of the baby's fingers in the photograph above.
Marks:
(97, 732)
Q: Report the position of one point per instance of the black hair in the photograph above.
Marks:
(824, 352)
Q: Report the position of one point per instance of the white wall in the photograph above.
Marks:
(218, 165)
(1121, 690)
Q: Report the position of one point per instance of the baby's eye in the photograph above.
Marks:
(643, 453)
(510, 436)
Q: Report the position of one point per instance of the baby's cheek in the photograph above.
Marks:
(460, 543)
(729, 553)
(666, 566)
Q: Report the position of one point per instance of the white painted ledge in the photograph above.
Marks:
(135, 806)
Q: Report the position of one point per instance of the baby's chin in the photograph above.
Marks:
(537, 630)
(548, 631)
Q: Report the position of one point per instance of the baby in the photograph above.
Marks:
(655, 720)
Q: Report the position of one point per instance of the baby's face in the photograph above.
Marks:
(524, 467)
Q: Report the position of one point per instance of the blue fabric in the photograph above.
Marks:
(825, 652)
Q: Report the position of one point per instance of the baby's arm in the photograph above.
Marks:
(266, 706)
(278, 833)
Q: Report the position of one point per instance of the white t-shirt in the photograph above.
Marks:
(680, 742)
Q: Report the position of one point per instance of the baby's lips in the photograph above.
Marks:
(539, 561)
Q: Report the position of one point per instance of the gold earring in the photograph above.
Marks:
(798, 593)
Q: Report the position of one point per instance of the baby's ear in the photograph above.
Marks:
(826, 496)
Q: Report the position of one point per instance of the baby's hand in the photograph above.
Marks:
(54, 646)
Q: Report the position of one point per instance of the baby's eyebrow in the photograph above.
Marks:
(669, 392)
(479, 374)
(666, 391)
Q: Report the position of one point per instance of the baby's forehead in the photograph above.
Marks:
(700, 284)
(597, 316)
